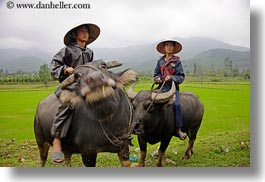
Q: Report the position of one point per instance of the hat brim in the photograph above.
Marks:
(94, 32)
(161, 46)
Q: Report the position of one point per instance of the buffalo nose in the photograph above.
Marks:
(137, 124)
(95, 75)
(138, 128)
(89, 79)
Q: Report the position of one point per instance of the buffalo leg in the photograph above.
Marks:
(189, 150)
(124, 156)
(143, 148)
(67, 157)
(89, 160)
(161, 151)
(43, 150)
(192, 137)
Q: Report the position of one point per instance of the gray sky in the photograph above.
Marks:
(127, 22)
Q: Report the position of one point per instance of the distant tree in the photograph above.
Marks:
(185, 67)
(212, 71)
(200, 73)
(1, 72)
(194, 69)
(228, 66)
(235, 72)
(247, 74)
(44, 74)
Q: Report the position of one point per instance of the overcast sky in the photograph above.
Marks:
(127, 22)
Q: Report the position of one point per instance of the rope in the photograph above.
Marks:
(130, 127)
(154, 97)
(116, 141)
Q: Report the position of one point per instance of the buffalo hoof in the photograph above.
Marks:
(134, 165)
(125, 163)
(185, 157)
(138, 164)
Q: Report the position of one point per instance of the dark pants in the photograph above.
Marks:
(62, 120)
(177, 108)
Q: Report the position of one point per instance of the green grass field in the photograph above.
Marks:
(223, 139)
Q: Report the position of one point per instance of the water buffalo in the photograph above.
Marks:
(101, 119)
(153, 116)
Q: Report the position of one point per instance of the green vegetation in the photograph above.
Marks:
(17, 108)
(43, 76)
(223, 139)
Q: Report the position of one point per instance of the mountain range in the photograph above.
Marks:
(203, 51)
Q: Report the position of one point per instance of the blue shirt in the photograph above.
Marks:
(171, 67)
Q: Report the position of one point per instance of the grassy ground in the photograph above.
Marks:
(223, 139)
(217, 150)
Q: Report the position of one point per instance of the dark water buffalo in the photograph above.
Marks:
(155, 123)
(101, 119)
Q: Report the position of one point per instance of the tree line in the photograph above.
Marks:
(43, 76)
(227, 71)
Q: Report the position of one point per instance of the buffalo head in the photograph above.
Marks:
(148, 103)
(94, 82)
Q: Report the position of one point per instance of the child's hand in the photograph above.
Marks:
(158, 80)
(69, 71)
(167, 78)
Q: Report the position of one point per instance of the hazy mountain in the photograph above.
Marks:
(139, 57)
(9, 54)
(14, 60)
(190, 48)
(144, 57)
(23, 64)
(215, 59)
(196, 45)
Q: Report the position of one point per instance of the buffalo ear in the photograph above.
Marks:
(127, 77)
(147, 104)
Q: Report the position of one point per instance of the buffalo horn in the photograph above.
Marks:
(113, 64)
(164, 97)
(131, 94)
(68, 81)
